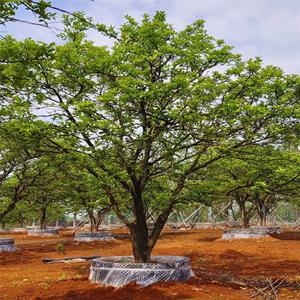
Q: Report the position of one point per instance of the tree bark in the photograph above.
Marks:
(262, 212)
(21, 220)
(3, 224)
(143, 242)
(7, 210)
(245, 217)
(262, 220)
(92, 221)
(139, 228)
(99, 219)
(96, 221)
(43, 218)
(74, 220)
(140, 247)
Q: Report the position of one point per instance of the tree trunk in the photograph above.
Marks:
(139, 240)
(210, 214)
(17, 197)
(74, 220)
(7, 210)
(43, 218)
(262, 220)
(92, 221)
(245, 217)
(21, 220)
(142, 240)
(142, 243)
(231, 213)
(262, 212)
(246, 222)
(99, 220)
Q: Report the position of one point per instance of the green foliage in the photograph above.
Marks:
(60, 248)
(258, 179)
(141, 120)
(8, 9)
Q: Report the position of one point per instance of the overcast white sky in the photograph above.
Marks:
(266, 28)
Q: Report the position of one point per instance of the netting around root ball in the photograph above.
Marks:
(93, 236)
(21, 229)
(118, 271)
(7, 245)
(13, 230)
(251, 232)
(43, 232)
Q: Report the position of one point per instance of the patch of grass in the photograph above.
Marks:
(60, 248)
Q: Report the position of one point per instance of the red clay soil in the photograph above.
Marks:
(215, 262)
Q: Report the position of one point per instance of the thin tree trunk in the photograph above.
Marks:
(74, 220)
(21, 220)
(245, 217)
(261, 209)
(43, 218)
(210, 214)
(7, 210)
(92, 221)
(246, 222)
(262, 220)
(99, 220)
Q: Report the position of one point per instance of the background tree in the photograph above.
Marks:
(21, 147)
(257, 179)
(48, 191)
(17, 187)
(84, 196)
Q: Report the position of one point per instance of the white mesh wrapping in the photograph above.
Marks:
(111, 271)
(43, 232)
(251, 232)
(13, 230)
(7, 245)
(93, 236)
(18, 229)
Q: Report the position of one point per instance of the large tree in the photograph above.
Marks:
(145, 115)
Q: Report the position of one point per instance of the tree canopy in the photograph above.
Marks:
(148, 114)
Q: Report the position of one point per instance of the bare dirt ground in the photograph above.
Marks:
(222, 267)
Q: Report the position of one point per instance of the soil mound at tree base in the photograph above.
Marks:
(7, 245)
(93, 236)
(43, 232)
(251, 232)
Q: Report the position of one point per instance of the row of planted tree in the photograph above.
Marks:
(160, 119)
